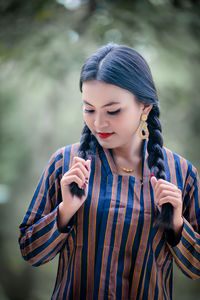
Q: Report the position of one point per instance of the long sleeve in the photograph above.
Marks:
(187, 252)
(40, 238)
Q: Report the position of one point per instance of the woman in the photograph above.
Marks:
(118, 207)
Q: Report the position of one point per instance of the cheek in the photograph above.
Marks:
(88, 120)
(128, 125)
(128, 121)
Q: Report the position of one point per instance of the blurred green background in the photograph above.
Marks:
(43, 45)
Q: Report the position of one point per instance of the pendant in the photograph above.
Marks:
(127, 170)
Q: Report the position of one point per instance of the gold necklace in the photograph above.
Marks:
(127, 170)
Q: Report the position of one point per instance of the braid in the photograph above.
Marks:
(88, 144)
(124, 67)
(84, 149)
(156, 164)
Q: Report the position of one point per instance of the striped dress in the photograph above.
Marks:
(111, 248)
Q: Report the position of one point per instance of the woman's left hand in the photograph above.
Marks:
(166, 192)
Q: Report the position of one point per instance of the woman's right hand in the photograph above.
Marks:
(79, 173)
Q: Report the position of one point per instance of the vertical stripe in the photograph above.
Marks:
(107, 236)
(113, 250)
(92, 233)
(126, 264)
(148, 282)
(118, 236)
(109, 289)
(166, 273)
(110, 161)
(67, 283)
(172, 169)
(77, 263)
(135, 236)
(143, 240)
(117, 264)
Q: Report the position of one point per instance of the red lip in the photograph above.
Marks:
(104, 135)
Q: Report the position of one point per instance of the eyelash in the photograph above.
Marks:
(114, 112)
(88, 111)
(109, 112)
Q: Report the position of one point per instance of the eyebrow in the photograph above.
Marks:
(108, 104)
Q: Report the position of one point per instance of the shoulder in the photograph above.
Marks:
(68, 150)
(173, 157)
(178, 168)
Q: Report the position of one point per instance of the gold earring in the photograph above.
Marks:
(143, 130)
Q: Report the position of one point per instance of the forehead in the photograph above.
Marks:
(101, 92)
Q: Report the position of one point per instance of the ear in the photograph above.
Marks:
(147, 108)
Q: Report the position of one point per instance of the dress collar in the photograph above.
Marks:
(108, 163)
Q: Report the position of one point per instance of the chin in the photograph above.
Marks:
(107, 145)
(104, 143)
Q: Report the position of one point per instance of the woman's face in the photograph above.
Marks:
(111, 113)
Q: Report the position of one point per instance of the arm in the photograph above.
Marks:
(49, 218)
(40, 238)
(187, 252)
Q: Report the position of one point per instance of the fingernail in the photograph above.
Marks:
(84, 186)
(90, 158)
(152, 175)
(86, 168)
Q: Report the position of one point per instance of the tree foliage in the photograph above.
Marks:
(42, 48)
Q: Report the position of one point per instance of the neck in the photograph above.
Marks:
(129, 157)
(129, 151)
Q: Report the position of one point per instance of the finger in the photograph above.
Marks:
(77, 159)
(166, 193)
(165, 182)
(162, 192)
(82, 166)
(161, 187)
(161, 184)
(72, 178)
(153, 182)
(88, 164)
(176, 202)
(79, 173)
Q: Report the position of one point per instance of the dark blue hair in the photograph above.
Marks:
(123, 66)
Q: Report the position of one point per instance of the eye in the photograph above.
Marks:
(87, 111)
(114, 112)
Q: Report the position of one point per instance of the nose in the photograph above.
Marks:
(100, 122)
